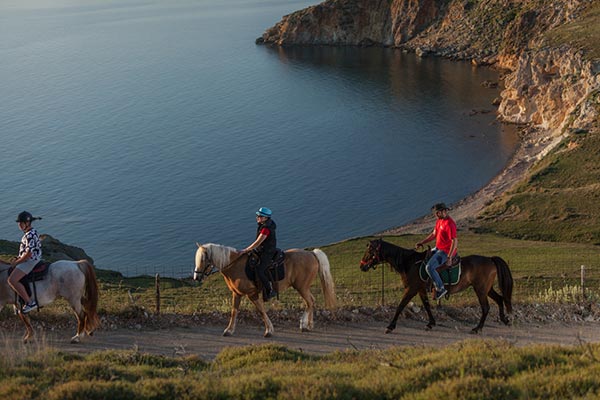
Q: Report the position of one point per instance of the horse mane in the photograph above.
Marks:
(402, 258)
(219, 254)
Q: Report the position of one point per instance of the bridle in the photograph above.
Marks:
(208, 271)
(209, 268)
(376, 256)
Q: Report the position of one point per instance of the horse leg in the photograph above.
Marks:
(425, 301)
(500, 301)
(235, 308)
(80, 315)
(408, 295)
(485, 308)
(260, 306)
(306, 321)
(28, 328)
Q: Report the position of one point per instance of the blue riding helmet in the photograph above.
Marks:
(264, 212)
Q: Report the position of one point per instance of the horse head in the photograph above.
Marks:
(204, 264)
(373, 255)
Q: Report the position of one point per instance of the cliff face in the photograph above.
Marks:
(545, 85)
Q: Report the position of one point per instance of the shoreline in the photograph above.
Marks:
(533, 145)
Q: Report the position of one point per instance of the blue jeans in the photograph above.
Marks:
(438, 258)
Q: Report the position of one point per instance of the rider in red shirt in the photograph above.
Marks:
(446, 245)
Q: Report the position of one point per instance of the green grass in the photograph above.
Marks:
(583, 33)
(536, 266)
(466, 370)
(559, 201)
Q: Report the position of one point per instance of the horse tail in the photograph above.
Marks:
(89, 301)
(326, 278)
(505, 281)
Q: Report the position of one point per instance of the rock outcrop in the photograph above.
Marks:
(52, 249)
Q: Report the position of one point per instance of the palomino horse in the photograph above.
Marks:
(477, 271)
(301, 268)
(75, 281)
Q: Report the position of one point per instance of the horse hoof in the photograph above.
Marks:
(428, 327)
(388, 330)
(75, 339)
(226, 333)
(303, 329)
(268, 334)
(475, 331)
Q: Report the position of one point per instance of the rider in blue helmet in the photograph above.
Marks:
(265, 245)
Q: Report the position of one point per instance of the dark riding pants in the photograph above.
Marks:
(261, 269)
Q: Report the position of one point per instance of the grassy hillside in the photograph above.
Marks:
(582, 33)
(467, 370)
(560, 201)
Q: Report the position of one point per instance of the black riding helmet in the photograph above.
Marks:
(25, 216)
(439, 207)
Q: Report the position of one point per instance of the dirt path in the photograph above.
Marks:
(206, 340)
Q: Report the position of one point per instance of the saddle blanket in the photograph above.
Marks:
(449, 276)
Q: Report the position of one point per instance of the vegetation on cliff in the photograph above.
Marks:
(559, 199)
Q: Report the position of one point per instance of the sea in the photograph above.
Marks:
(138, 128)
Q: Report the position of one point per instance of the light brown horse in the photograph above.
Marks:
(477, 271)
(301, 269)
(74, 281)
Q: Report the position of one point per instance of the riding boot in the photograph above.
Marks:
(269, 292)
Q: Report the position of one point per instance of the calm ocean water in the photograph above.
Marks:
(137, 128)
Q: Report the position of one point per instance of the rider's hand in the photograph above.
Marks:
(418, 245)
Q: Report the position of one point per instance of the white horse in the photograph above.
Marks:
(75, 281)
(301, 268)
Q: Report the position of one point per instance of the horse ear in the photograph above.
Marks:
(198, 244)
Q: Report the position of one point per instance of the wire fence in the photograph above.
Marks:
(175, 291)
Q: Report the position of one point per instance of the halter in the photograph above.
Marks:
(205, 273)
(376, 257)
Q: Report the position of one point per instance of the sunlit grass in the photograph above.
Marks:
(466, 370)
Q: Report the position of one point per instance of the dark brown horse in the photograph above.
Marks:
(477, 271)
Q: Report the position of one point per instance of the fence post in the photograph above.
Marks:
(583, 282)
(383, 285)
(157, 285)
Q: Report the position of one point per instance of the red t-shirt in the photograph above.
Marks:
(445, 231)
(265, 231)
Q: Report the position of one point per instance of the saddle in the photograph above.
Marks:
(450, 274)
(275, 270)
(38, 273)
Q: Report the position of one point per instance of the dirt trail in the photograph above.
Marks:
(206, 340)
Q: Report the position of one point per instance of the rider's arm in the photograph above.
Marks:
(26, 256)
(427, 239)
(453, 248)
(261, 238)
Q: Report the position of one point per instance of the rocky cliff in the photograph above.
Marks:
(548, 84)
